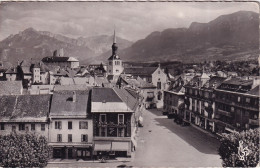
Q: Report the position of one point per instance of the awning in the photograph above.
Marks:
(70, 144)
(120, 146)
(102, 146)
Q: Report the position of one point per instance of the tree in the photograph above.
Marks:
(24, 150)
(240, 149)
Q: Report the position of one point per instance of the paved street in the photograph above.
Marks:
(161, 143)
(169, 144)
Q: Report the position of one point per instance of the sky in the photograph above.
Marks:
(132, 20)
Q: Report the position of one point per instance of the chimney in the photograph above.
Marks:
(74, 96)
(55, 53)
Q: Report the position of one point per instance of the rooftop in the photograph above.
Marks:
(141, 71)
(59, 59)
(130, 101)
(24, 107)
(104, 95)
(63, 105)
(11, 87)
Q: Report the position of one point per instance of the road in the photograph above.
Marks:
(163, 143)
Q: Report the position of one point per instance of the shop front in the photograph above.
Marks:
(72, 151)
(112, 148)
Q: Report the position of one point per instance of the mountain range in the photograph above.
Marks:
(33, 44)
(228, 37)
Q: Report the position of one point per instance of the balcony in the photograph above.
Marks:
(226, 113)
(238, 104)
(254, 121)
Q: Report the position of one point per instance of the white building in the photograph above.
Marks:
(71, 128)
(24, 113)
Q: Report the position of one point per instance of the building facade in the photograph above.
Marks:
(112, 111)
(237, 105)
(71, 127)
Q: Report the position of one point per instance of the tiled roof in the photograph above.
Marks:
(238, 81)
(130, 101)
(11, 87)
(74, 81)
(214, 81)
(140, 70)
(11, 70)
(194, 82)
(132, 91)
(104, 95)
(59, 59)
(254, 91)
(100, 80)
(70, 87)
(55, 59)
(22, 107)
(62, 104)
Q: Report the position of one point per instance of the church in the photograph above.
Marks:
(115, 64)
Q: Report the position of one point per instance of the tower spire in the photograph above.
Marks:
(114, 39)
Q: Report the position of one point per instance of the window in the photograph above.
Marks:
(58, 125)
(42, 127)
(238, 99)
(120, 132)
(21, 127)
(59, 138)
(120, 118)
(69, 137)
(13, 128)
(69, 124)
(2, 126)
(102, 118)
(32, 127)
(83, 125)
(103, 132)
(84, 138)
(159, 96)
(247, 100)
(159, 85)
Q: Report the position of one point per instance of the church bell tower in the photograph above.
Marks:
(115, 66)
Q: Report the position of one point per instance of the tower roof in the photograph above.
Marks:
(114, 55)
(114, 38)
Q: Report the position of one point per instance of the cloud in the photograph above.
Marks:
(133, 20)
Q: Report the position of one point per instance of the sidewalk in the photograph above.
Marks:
(65, 161)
